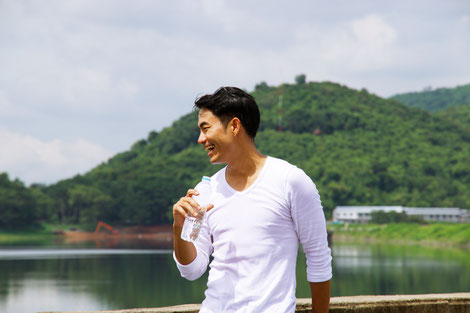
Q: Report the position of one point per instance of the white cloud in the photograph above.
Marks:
(346, 52)
(8, 110)
(372, 30)
(373, 43)
(94, 89)
(33, 160)
(360, 44)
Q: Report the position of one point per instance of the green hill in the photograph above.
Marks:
(458, 114)
(438, 99)
(358, 148)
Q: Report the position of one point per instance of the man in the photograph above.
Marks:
(262, 207)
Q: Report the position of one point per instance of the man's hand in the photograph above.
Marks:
(185, 207)
(185, 251)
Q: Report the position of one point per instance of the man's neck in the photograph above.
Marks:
(244, 169)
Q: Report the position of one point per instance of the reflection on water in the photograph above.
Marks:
(36, 254)
(60, 278)
(33, 295)
(354, 257)
(86, 278)
(384, 269)
(389, 269)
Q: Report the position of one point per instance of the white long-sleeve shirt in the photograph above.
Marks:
(253, 236)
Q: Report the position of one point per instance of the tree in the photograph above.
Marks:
(300, 79)
(261, 86)
(45, 204)
(87, 202)
(17, 205)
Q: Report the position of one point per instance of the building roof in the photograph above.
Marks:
(368, 209)
(410, 211)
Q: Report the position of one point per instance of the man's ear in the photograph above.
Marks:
(235, 126)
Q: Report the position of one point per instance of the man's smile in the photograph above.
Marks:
(209, 148)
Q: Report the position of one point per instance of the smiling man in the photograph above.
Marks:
(262, 207)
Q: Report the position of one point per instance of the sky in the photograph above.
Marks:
(82, 80)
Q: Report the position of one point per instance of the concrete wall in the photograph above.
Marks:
(430, 303)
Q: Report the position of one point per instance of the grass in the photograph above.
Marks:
(440, 233)
(32, 235)
(18, 237)
(435, 233)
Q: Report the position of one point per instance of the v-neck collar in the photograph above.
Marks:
(258, 179)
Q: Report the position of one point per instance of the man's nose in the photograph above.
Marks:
(202, 139)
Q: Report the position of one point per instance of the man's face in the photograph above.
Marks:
(214, 136)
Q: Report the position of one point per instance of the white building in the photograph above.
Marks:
(362, 214)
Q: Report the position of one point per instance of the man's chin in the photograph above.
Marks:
(215, 160)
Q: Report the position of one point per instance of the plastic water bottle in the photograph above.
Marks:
(192, 225)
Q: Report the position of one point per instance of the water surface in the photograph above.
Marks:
(65, 277)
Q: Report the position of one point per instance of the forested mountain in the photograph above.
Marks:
(358, 148)
(438, 99)
(458, 114)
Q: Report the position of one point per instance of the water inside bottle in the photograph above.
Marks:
(191, 228)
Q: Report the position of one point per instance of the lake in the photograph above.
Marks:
(58, 276)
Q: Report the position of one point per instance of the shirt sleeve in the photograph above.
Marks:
(198, 266)
(310, 225)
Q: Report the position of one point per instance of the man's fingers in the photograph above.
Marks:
(192, 192)
(179, 210)
(189, 198)
(209, 207)
(190, 205)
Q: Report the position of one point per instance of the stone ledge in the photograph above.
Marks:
(427, 303)
(432, 303)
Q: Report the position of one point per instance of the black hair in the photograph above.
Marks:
(229, 102)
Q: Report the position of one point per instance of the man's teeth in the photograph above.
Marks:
(210, 148)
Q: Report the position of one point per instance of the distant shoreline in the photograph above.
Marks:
(158, 235)
(433, 235)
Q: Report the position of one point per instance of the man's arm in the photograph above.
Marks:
(185, 251)
(320, 296)
(310, 225)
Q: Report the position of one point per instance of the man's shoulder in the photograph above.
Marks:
(280, 165)
(281, 170)
(290, 172)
